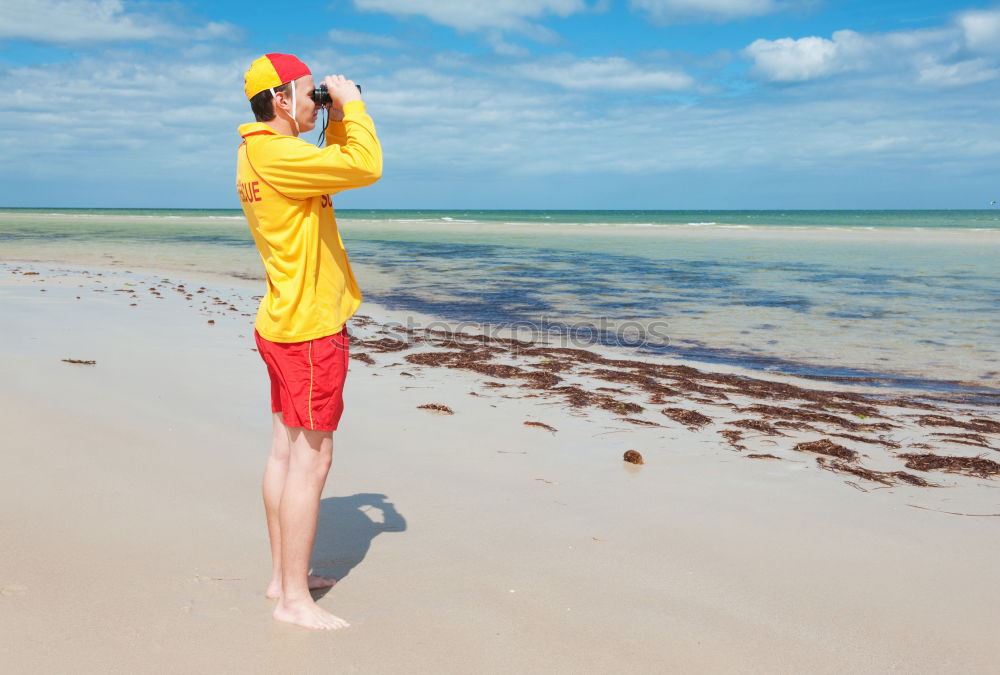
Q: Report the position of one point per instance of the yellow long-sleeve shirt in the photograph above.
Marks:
(285, 186)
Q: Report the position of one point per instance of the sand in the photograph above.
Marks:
(134, 537)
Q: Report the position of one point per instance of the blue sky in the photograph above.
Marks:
(590, 104)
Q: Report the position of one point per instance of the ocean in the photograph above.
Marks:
(897, 298)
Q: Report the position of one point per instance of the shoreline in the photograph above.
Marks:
(889, 305)
(132, 494)
(902, 234)
(714, 359)
(730, 402)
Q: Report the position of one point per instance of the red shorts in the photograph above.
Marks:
(307, 379)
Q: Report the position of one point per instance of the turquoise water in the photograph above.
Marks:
(984, 218)
(903, 296)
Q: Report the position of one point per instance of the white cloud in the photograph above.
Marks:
(484, 115)
(360, 39)
(503, 47)
(667, 10)
(84, 22)
(789, 60)
(75, 21)
(468, 15)
(212, 30)
(956, 74)
(136, 99)
(170, 118)
(981, 30)
(607, 74)
(961, 52)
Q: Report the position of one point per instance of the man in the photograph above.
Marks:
(285, 186)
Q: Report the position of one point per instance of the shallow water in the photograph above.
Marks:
(906, 296)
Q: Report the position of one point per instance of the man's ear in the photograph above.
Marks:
(281, 100)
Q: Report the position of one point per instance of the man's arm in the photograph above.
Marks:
(336, 132)
(300, 170)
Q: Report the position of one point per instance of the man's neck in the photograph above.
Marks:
(283, 126)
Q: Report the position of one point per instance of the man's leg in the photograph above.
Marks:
(310, 456)
(275, 472)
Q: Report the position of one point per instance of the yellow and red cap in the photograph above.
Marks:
(272, 70)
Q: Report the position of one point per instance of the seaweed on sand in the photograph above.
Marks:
(965, 439)
(733, 438)
(798, 414)
(490, 369)
(756, 425)
(437, 407)
(385, 345)
(883, 477)
(541, 425)
(540, 380)
(976, 424)
(825, 446)
(581, 398)
(689, 418)
(978, 467)
(874, 441)
(639, 422)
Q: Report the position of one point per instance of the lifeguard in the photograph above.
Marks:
(285, 186)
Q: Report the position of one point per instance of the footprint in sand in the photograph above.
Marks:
(13, 590)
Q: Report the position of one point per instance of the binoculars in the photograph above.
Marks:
(322, 97)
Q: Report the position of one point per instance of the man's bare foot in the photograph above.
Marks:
(315, 582)
(308, 615)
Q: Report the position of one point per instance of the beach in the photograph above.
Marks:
(508, 536)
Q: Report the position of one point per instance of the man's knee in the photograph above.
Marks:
(280, 440)
(280, 449)
(311, 449)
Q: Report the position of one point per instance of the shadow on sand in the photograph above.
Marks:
(345, 531)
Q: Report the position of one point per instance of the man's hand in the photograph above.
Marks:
(342, 91)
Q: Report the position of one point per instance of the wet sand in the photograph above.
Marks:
(776, 525)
